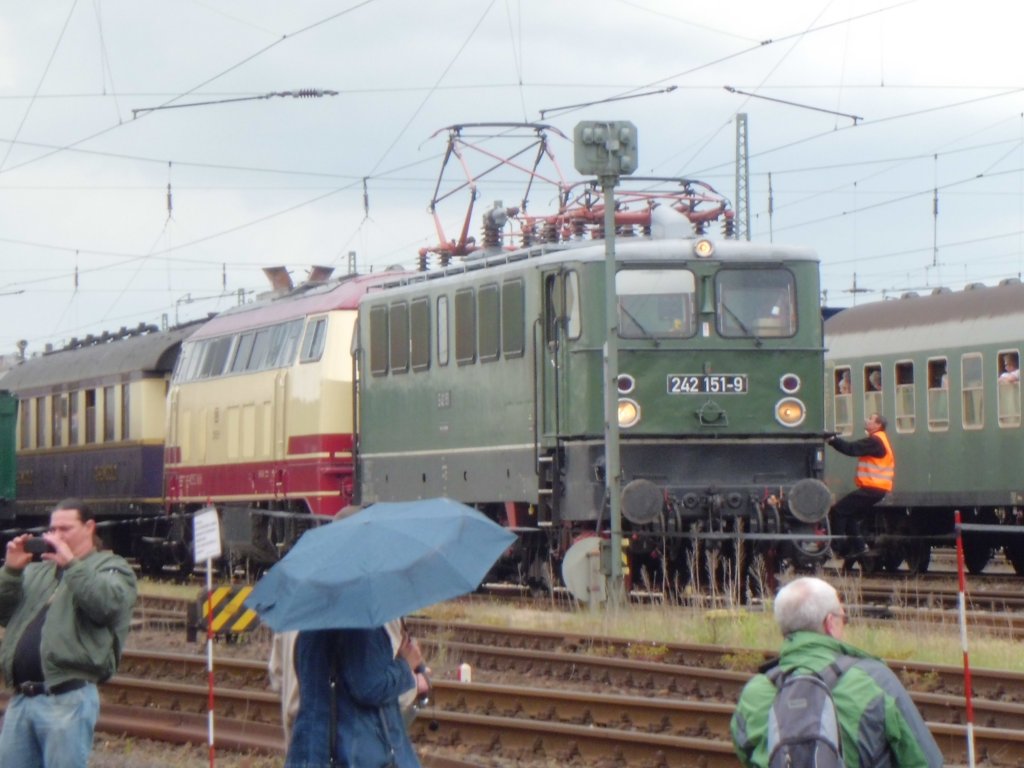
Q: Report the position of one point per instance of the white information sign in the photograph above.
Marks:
(206, 535)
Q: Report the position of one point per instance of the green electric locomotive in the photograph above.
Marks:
(483, 381)
(942, 369)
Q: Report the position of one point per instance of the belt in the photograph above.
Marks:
(41, 689)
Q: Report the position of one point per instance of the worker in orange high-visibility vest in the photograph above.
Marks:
(876, 470)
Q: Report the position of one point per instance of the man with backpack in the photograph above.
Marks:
(824, 702)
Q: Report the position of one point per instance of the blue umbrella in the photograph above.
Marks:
(383, 562)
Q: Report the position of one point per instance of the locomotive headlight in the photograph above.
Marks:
(789, 383)
(629, 412)
(703, 249)
(790, 412)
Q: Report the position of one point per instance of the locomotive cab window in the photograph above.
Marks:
(938, 394)
(313, 343)
(905, 415)
(562, 306)
(655, 303)
(1008, 388)
(972, 382)
(843, 401)
(756, 303)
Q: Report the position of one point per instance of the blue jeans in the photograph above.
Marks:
(49, 731)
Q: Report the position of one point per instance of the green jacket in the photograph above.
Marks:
(881, 727)
(88, 621)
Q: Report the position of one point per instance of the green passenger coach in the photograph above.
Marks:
(483, 382)
(945, 366)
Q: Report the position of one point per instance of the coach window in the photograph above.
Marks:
(488, 323)
(314, 340)
(442, 330)
(73, 427)
(905, 415)
(108, 414)
(40, 422)
(756, 303)
(972, 382)
(90, 416)
(1008, 387)
(25, 416)
(655, 303)
(465, 326)
(59, 409)
(398, 323)
(843, 401)
(872, 389)
(419, 339)
(379, 340)
(513, 319)
(126, 415)
(938, 394)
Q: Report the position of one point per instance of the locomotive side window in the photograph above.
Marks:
(465, 327)
(215, 356)
(1008, 388)
(757, 303)
(243, 351)
(442, 330)
(843, 401)
(90, 416)
(260, 345)
(284, 341)
(872, 389)
(938, 394)
(420, 334)
(313, 342)
(971, 391)
(655, 303)
(488, 323)
(905, 406)
(398, 322)
(562, 306)
(379, 340)
(513, 319)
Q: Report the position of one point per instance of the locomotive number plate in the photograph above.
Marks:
(707, 384)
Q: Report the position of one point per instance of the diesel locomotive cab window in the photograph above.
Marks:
(313, 343)
(655, 303)
(756, 303)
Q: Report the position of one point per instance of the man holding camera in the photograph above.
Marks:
(67, 618)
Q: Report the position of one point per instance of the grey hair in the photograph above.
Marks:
(803, 604)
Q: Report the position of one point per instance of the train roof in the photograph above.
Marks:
(978, 314)
(305, 300)
(652, 250)
(151, 352)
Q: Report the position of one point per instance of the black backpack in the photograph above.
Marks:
(803, 727)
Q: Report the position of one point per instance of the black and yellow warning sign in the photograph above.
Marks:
(230, 617)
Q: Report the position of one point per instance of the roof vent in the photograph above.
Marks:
(909, 295)
(279, 278)
(940, 289)
(1010, 281)
(974, 286)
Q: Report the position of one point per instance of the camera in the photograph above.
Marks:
(37, 545)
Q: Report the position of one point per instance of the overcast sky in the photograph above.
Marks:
(88, 242)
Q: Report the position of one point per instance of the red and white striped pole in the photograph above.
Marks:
(962, 609)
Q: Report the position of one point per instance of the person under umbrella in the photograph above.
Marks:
(349, 688)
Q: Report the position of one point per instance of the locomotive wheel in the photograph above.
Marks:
(977, 553)
(919, 556)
